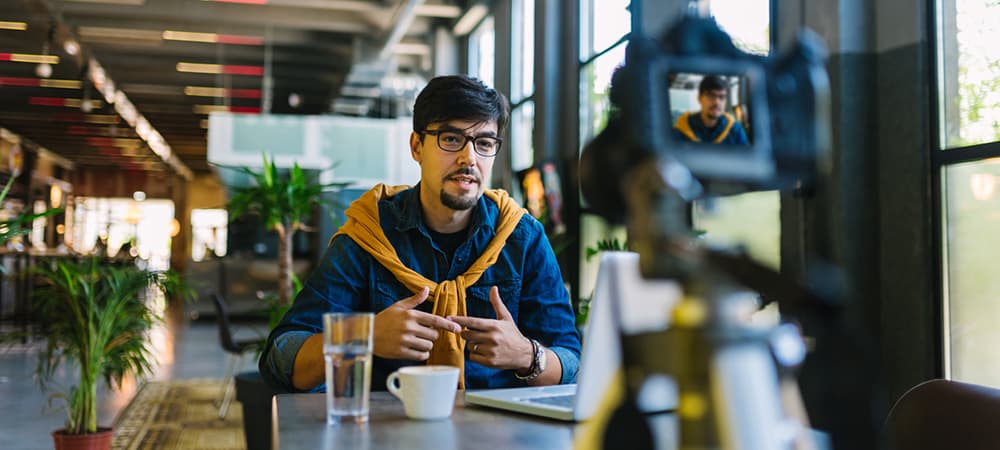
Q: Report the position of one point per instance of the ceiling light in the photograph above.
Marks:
(220, 68)
(78, 103)
(29, 58)
(171, 35)
(60, 101)
(470, 19)
(246, 2)
(212, 38)
(60, 84)
(195, 91)
(71, 47)
(199, 68)
(236, 39)
(243, 70)
(112, 2)
(209, 109)
(201, 91)
(13, 26)
(43, 70)
(88, 33)
(446, 11)
(35, 82)
(100, 119)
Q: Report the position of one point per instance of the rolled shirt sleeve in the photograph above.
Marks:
(281, 358)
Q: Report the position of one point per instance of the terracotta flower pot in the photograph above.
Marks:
(101, 440)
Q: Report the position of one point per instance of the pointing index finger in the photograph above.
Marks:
(441, 323)
(474, 323)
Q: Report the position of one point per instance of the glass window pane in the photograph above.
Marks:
(611, 20)
(972, 218)
(970, 71)
(747, 22)
(482, 53)
(521, 146)
(596, 81)
(523, 58)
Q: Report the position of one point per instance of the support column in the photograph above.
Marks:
(557, 99)
(503, 176)
(839, 224)
(910, 292)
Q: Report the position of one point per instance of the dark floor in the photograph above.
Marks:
(184, 349)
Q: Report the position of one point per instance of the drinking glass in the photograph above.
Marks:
(347, 350)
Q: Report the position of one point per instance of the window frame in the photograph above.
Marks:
(942, 158)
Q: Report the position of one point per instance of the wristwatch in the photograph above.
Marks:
(537, 364)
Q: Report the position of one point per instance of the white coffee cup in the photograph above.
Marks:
(427, 392)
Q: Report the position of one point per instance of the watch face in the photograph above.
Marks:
(540, 359)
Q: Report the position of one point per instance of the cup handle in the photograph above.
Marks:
(391, 383)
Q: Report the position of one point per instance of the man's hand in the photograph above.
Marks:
(402, 332)
(496, 343)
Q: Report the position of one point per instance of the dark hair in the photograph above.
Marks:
(459, 97)
(712, 83)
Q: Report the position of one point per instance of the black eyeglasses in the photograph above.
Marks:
(454, 141)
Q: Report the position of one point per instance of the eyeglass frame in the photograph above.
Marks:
(467, 137)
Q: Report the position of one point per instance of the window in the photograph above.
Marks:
(522, 114)
(970, 68)
(969, 166)
(746, 21)
(105, 225)
(209, 232)
(604, 24)
(482, 52)
(523, 50)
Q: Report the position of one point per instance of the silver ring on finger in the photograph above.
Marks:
(475, 346)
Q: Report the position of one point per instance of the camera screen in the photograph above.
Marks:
(710, 108)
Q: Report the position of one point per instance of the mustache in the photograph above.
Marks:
(467, 171)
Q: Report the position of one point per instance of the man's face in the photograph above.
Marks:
(455, 179)
(712, 103)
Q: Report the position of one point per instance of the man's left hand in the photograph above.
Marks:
(496, 343)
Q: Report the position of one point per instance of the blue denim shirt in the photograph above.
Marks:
(349, 279)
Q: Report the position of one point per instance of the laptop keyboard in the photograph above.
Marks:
(565, 401)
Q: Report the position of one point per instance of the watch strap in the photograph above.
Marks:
(537, 363)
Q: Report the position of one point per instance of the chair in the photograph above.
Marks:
(945, 415)
(237, 349)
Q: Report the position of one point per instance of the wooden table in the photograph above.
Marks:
(300, 422)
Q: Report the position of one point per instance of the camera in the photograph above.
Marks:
(780, 103)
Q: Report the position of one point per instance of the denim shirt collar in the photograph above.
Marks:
(406, 211)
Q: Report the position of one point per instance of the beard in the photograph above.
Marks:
(458, 202)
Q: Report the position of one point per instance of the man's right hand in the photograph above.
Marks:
(402, 332)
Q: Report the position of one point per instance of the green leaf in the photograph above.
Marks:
(97, 320)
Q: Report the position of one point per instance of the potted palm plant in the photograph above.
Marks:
(97, 319)
(285, 202)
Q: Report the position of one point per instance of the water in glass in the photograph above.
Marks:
(348, 380)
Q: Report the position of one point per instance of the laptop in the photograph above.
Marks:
(644, 306)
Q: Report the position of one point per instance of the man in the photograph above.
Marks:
(711, 124)
(456, 273)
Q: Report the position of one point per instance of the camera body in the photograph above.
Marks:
(784, 101)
